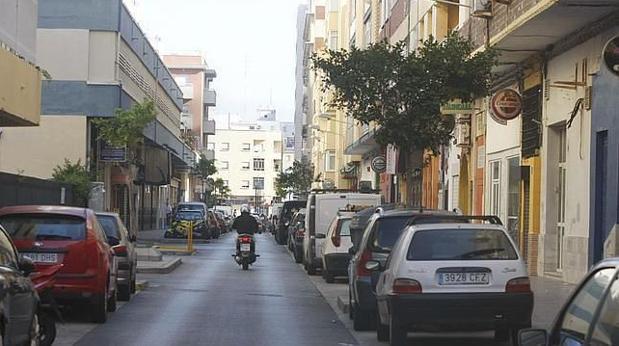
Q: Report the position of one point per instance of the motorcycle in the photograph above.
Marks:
(48, 312)
(245, 255)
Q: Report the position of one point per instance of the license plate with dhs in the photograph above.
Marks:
(245, 247)
(464, 278)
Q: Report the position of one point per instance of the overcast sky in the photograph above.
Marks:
(251, 44)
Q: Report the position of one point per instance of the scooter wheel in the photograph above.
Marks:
(245, 266)
(47, 329)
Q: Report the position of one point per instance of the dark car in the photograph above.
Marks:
(589, 317)
(296, 231)
(51, 235)
(285, 216)
(127, 260)
(18, 296)
(379, 236)
(183, 221)
(360, 221)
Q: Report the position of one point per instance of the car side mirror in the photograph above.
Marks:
(351, 251)
(533, 337)
(321, 236)
(26, 265)
(113, 241)
(372, 266)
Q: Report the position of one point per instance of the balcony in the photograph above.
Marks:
(208, 127)
(209, 154)
(210, 98)
(187, 91)
(20, 91)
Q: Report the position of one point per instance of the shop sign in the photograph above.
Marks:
(506, 104)
(392, 154)
(463, 131)
(379, 164)
(611, 55)
(457, 107)
(109, 153)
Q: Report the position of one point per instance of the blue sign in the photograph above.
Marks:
(109, 153)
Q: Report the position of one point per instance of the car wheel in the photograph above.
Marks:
(245, 266)
(382, 330)
(47, 329)
(361, 320)
(99, 308)
(35, 331)
(124, 292)
(132, 284)
(111, 305)
(397, 332)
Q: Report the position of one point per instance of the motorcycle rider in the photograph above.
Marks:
(245, 224)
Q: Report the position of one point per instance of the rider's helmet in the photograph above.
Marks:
(244, 209)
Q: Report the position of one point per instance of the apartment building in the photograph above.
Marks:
(249, 156)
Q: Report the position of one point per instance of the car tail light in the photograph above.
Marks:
(120, 250)
(518, 285)
(406, 286)
(336, 240)
(361, 269)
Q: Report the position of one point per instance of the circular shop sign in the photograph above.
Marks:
(379, 164)
(506, 104)
(611, 55)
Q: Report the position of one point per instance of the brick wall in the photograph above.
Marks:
(503, 15)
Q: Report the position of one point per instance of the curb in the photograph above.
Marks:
(165, 269)
(342, 303)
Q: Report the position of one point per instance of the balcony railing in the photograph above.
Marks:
(210, 98)
(208, 127)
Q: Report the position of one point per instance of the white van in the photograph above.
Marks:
(322, 208)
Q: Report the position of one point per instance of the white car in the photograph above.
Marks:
(335, 256)
(450, 273)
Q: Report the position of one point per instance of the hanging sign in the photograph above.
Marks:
(506, 104)
(392, 155)
(457, 107)
(109, 153)
(379, 164)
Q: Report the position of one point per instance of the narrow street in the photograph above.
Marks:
(209, 300)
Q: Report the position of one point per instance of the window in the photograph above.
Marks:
(495, 187)
(258, 164)
(110, 226)
(258, 146)
(606, 329)
(44, 227)
(210, 146)
(224, 147)
(333, 40)
(245, 147)
(224, 165)
(277, 147)
(330, 161)
(245, 165)
(581, 310)
(277, 165)
(244, 184)
(258, 183)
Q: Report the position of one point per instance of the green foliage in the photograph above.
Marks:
(76, 175)
(204, 167)
(220, 189)
(125, 129)
(296, 179)
(402, 91)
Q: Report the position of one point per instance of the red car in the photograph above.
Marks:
(50, 235)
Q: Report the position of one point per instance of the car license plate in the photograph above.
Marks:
(463, 279)
(42, 257)
(245, 247)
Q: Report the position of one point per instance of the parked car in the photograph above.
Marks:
(221, 221)
(450, 273)
(335, 254)
(361, 219)
(321, 210)
(379, 236)
(289, 208)
(213, 226)
(50, 235)
(127, 260)
(18, 297)
(183, 221)
(589, 317)
(296, 231)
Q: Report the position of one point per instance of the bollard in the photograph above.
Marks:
(190, 238)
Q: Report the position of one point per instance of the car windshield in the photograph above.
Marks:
(190, 207)
(109, 224)
(345, 227)
(188, 215)
(460, 244)
(44, 227)
(388, 230)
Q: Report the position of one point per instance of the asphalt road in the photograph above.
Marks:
(209, 300)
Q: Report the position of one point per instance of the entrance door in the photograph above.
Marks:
(562, 171)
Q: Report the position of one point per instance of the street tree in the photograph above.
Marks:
(221, 191)
(77, 175)
(401, 92)
(204, 167)
(296, 179)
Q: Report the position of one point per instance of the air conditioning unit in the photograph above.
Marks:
(482, 8)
